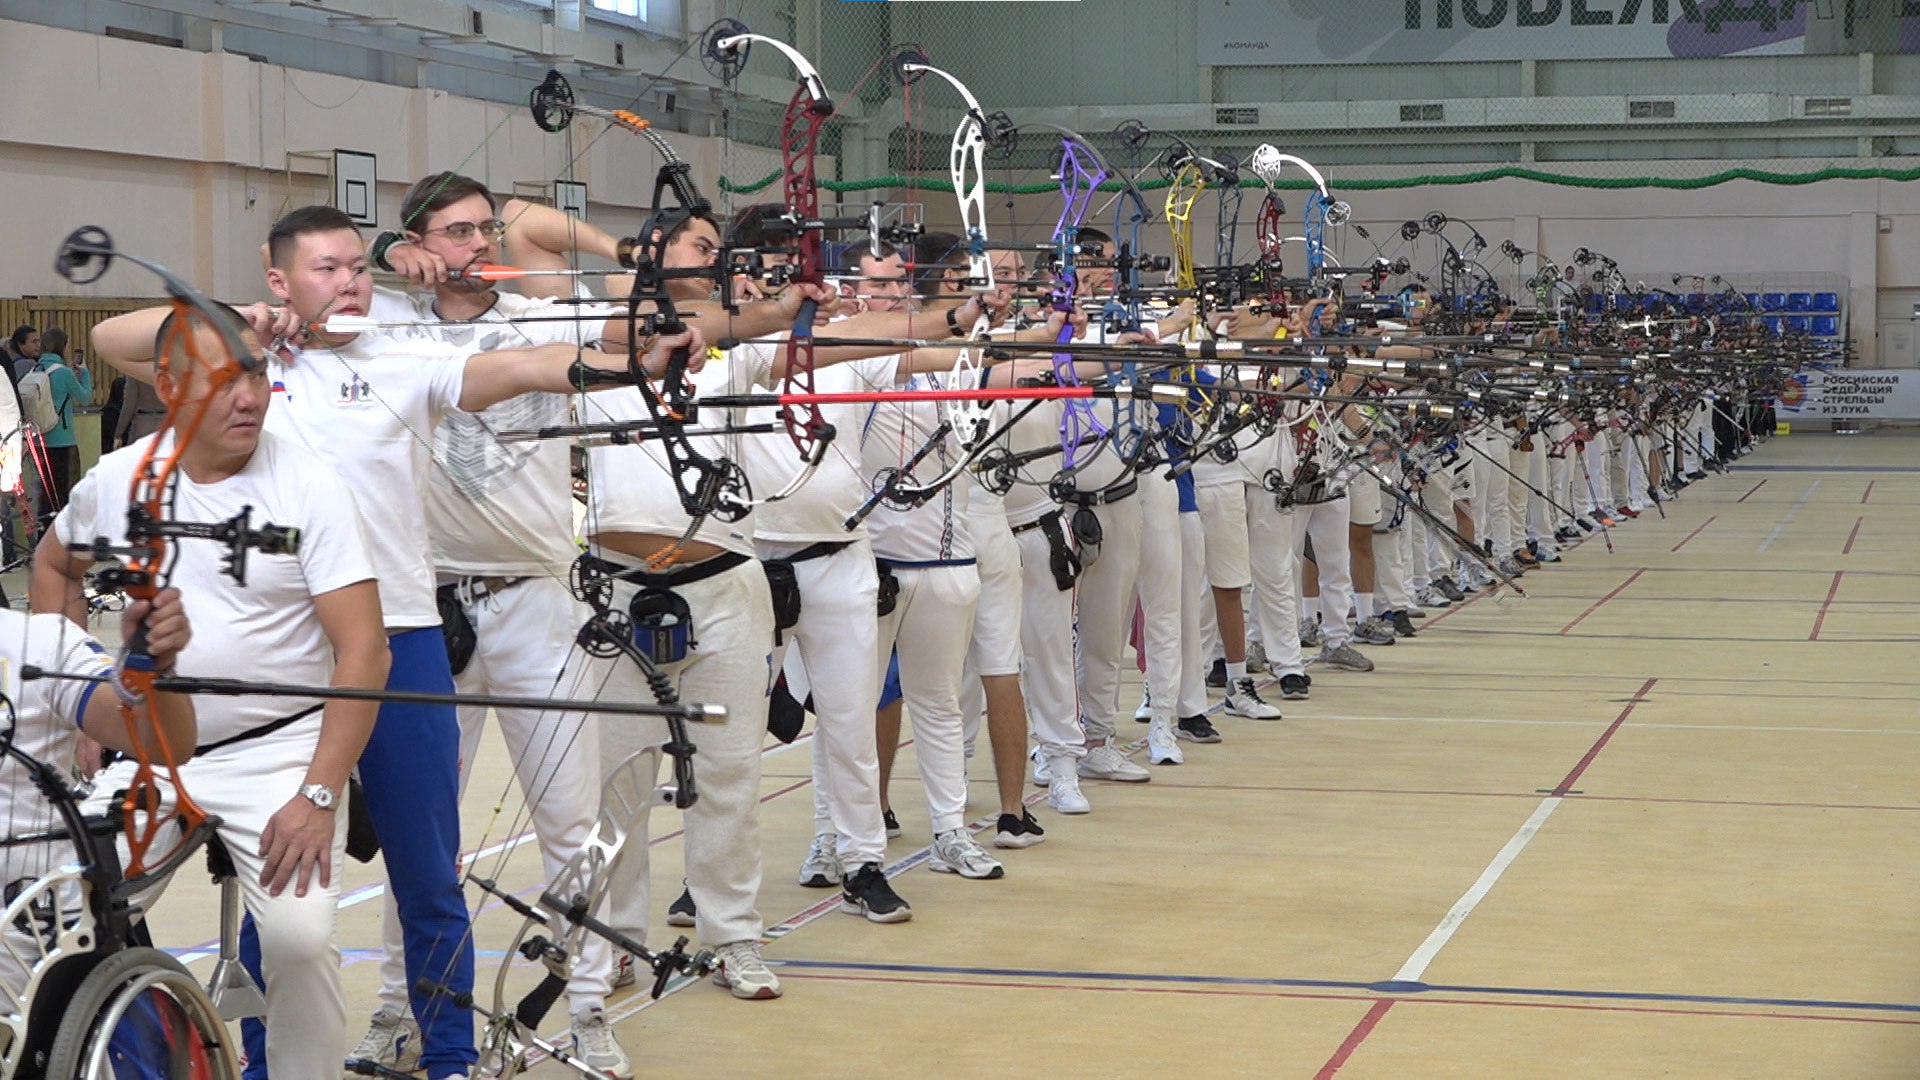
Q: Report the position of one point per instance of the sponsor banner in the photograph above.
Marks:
(1255, 32)
(1861, 394)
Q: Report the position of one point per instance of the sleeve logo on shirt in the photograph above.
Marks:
(355, 392)
(279, 387)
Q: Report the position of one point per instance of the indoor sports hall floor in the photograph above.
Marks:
(1658, 819)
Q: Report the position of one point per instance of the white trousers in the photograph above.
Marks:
(1196, 616)
(1275, 535)
(1106, 614)
(1390, 578)
(245, 785)
(523, 636)
(731, 665)
(1046, 651)
(1158, 588)
(930, 625)
(1326, 523)
(829, 654)
(1492, 523)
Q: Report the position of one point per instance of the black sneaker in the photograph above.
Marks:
(682, 911)
(1402, 625)
(867, 892)
(1217, 678)
(1696, 475)
(1018, 832)
(1294, 687)
(1196, 729)
(893, 824)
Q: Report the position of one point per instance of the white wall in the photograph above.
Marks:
(183, 156)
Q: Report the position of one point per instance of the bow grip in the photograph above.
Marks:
(803, 320)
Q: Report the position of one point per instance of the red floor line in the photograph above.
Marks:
(1822, 617)
(1753, 489)
(1695, 533)
(1622, 587)
(1354, 1038)
(1005, 984)
(1865, 495)
(1600, 744)
(1307, 789)
(1852, 536)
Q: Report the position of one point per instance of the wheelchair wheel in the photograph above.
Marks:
(141, 1015)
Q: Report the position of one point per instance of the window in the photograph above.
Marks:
(633, 9)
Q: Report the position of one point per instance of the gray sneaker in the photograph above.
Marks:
(392, 1041)
(1433, 598)
(1310, 634)
(1346, 658)
(1256, 658)
(1450, 589)
(595, 1046)
(1373, 632)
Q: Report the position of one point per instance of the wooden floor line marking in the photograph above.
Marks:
(1852, 536)
(1750, 491)
(1867, 494)
(1618, 589)
(1792, 512)
(1820, 619)
(1416, 966)
(1354, 1038)
(1695, 532)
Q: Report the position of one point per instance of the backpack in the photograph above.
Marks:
(36, 401)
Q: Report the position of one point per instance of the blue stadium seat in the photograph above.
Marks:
(1798, 324)
(1826, 301)
(1596, 304)
(1773, 324)
(1773, 301)
(1799, 301)
(1826, 326)
(1753, 301)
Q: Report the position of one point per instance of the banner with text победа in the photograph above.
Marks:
(1255, 32)
(1862, 394)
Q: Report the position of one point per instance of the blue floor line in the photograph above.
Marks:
(1387, 986)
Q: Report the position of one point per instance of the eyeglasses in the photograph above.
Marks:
(462, 231)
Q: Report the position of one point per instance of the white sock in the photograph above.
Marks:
(1363, 605)
(1236, 672)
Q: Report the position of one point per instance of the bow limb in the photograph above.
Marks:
(967, 166)
(148, 559)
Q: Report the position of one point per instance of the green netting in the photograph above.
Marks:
(1763, 176)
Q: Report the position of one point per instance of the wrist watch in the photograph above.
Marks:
(321, 796)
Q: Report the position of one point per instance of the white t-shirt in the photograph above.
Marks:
(368, 411)
(819, 510)
(269, 624)
(46, 712)
(935, 531)
(494, 507)
(633, 488)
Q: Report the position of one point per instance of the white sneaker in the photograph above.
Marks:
(595, 1046)
(955, 852)
(822, 868)
(1103, 762)
(1041, 774)
(623, 976)
(1145, 712)
(1244, 701)
(1063, 794)
(1163, 747)
(742, 971)
(392, 1041)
